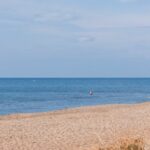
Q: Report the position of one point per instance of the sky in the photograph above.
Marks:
(74, 38)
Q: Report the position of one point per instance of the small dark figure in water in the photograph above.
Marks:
(90, 92)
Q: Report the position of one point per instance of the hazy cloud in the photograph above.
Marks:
(125, 1)
(114, 21)
(86, 39)
(54, 16)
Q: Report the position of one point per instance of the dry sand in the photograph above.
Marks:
(86, 128)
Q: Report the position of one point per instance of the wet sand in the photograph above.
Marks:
(85, 128)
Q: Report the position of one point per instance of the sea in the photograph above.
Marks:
(27, 95)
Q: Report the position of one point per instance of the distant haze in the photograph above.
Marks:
(74, 38)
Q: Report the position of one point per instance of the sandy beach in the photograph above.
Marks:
(85, 128)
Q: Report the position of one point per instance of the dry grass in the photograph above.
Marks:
(127, 145)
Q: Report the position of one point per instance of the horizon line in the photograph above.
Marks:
(70, 77)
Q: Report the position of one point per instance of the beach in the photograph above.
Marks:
(85, 128)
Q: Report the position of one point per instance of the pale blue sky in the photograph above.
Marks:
(74, 38)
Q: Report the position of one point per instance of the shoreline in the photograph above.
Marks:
(53, 112)
(25, 114)
(82, 128)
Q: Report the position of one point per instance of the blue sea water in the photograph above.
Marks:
(24, 95)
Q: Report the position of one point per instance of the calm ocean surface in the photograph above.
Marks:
(45, 94)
